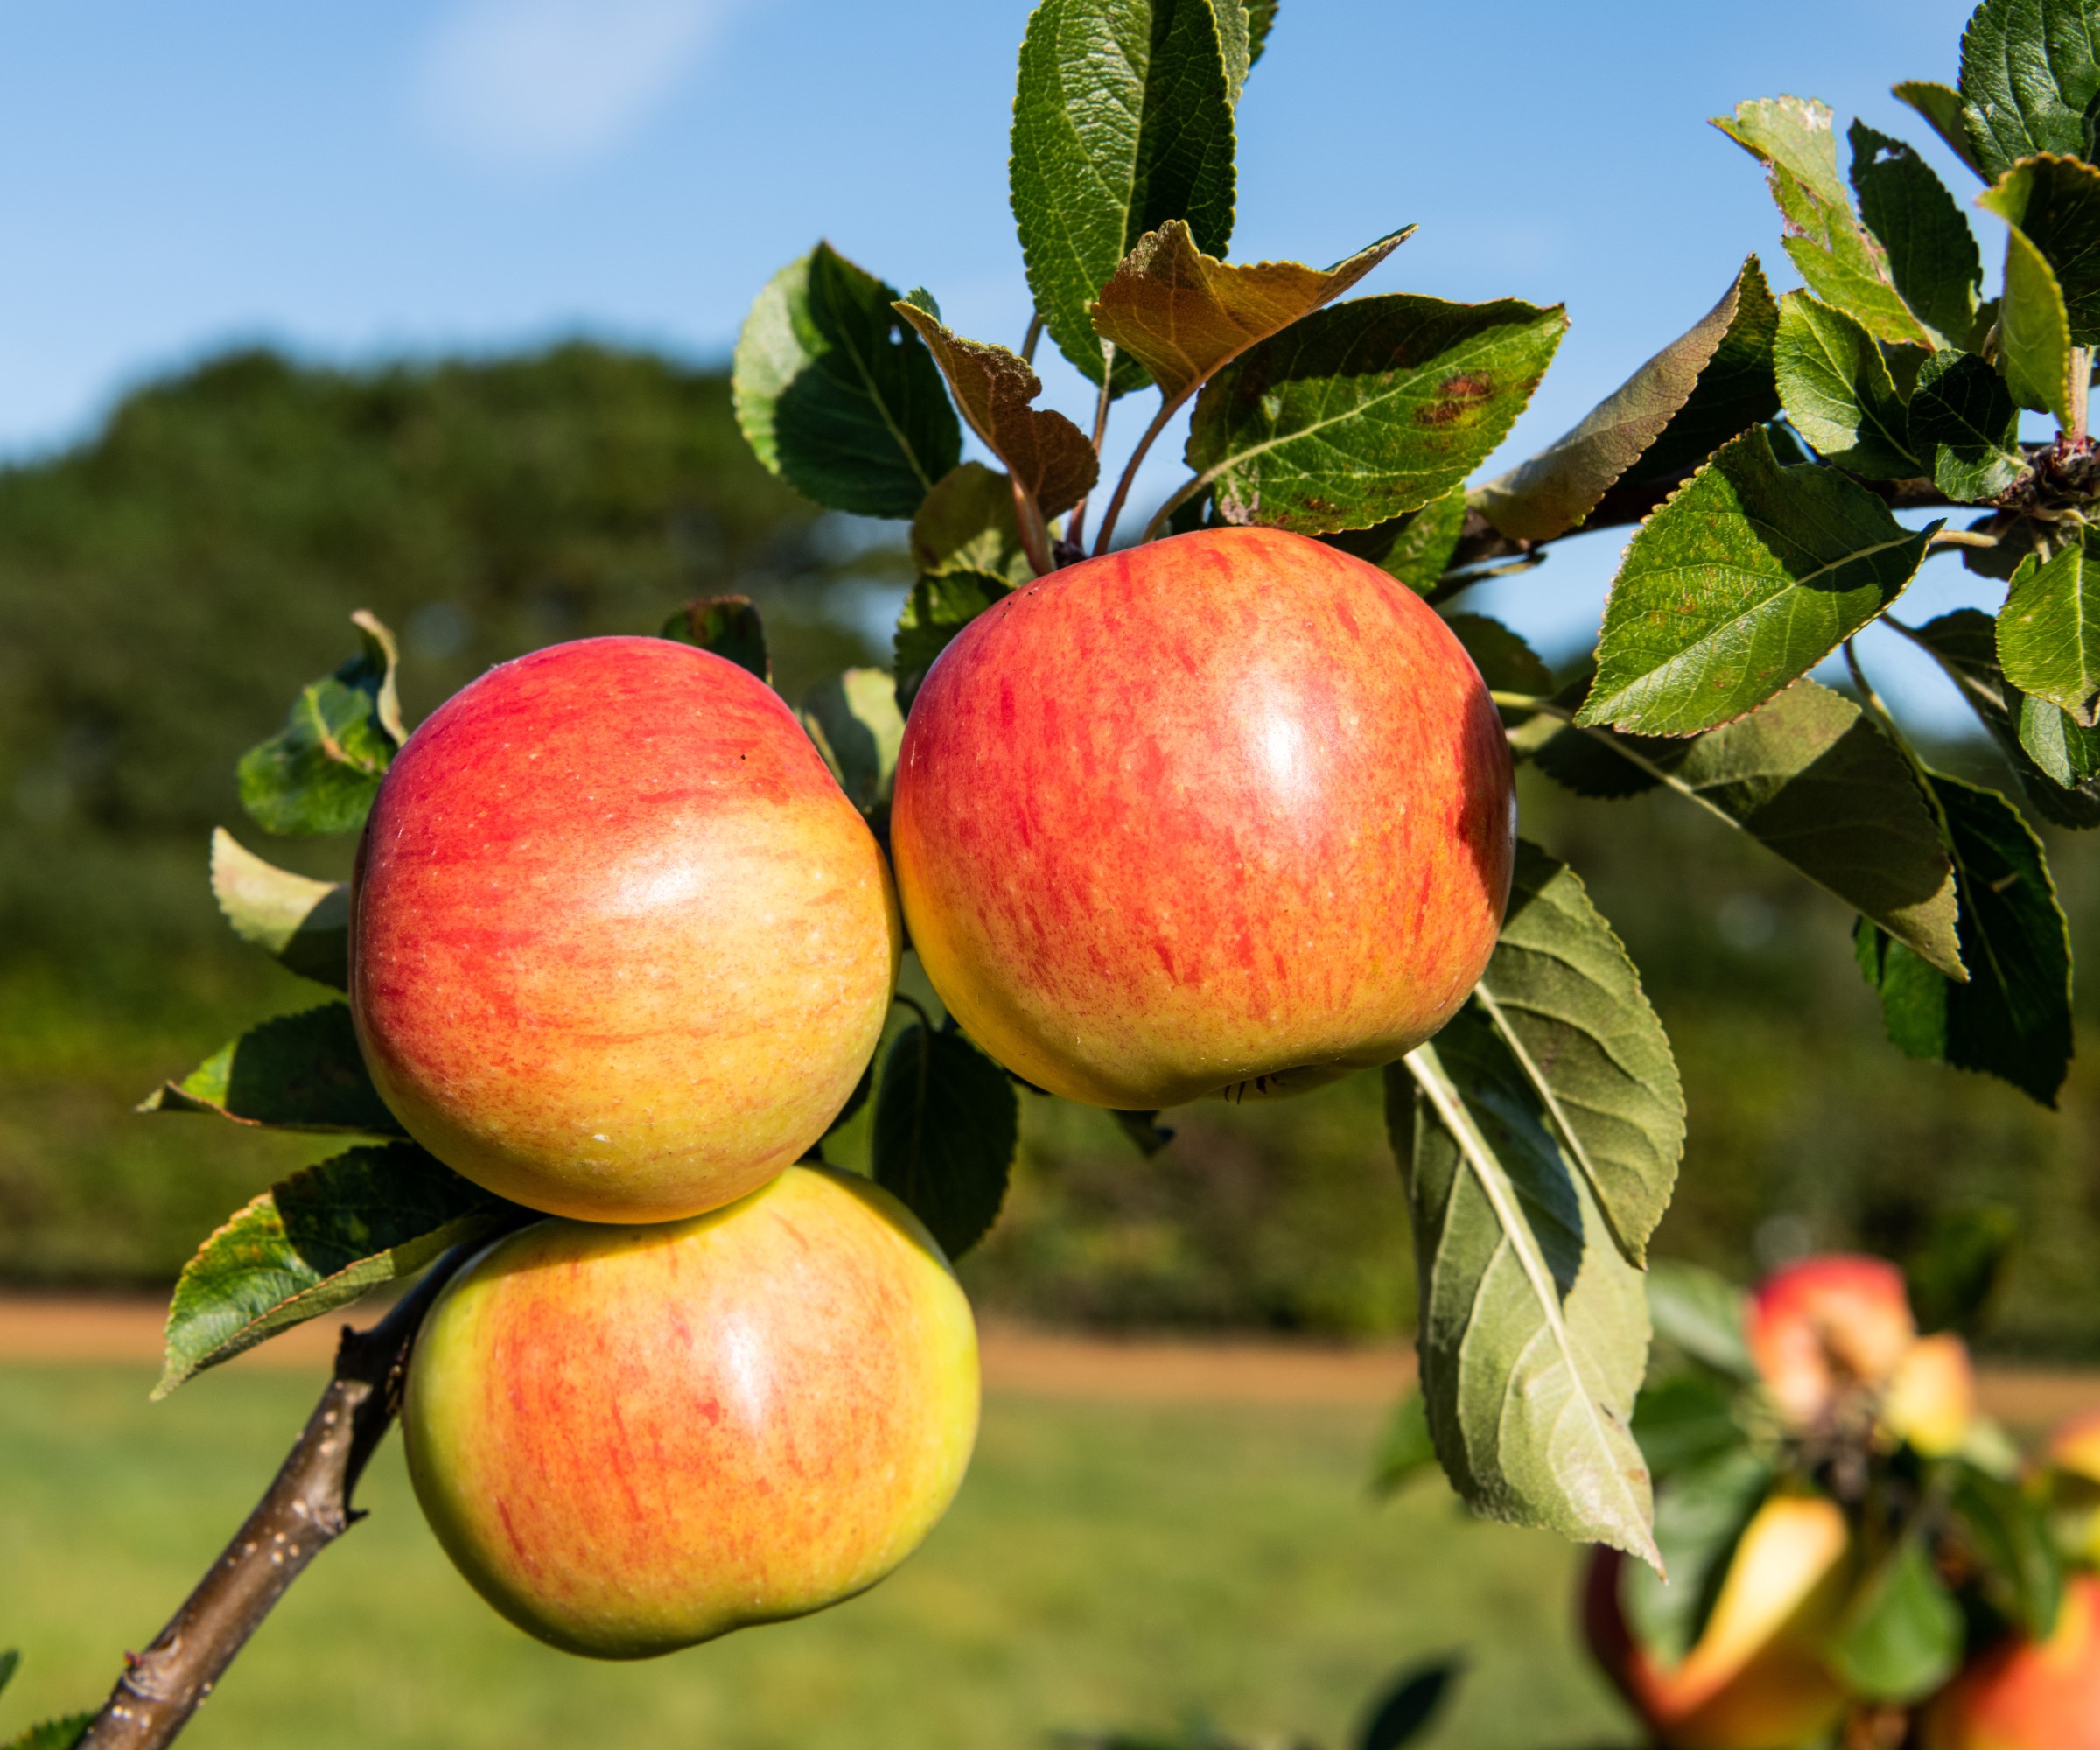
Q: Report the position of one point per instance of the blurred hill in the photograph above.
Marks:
(167, 587)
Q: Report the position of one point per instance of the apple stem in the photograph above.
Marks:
(1075, 531)
(305, 1508)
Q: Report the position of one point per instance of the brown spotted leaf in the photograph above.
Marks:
(1367, 409)
(1184, 315)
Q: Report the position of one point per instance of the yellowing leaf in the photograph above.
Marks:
(1184, 315)
(995, 389)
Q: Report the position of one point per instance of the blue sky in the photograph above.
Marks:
(353, 182)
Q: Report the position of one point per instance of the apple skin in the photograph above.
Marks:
(1753, 1681)
(1931, 1398)
(2021, 1696)
(2072, 1461)
(1226, 813)
(620, 947)
(1825, 1325)
(632, 1439)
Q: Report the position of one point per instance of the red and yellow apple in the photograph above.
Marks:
(632, 1438)
(1754, 1680)
(1226, 813)
(1827, 1327)
(620, 947)
(2025, 1695)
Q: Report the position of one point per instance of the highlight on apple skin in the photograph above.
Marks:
(632, 1439)
(1754, 1680)
(1827, 1327)
(620, 947)
(2022, 1695)
(1230, 812)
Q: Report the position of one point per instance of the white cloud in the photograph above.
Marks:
(554, 83)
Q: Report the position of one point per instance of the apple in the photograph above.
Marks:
(2072, 1461)
(1827, 1328)
(2021, 1696)
(632, 1438)
(1930, 1402)
(1753, 1681)
(619, 945)
(1229, 813)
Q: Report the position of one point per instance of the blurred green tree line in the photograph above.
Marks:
(166, 587)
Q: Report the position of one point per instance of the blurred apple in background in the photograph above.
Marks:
(630, 1440)
(1753, 1680)
(620, 947)
(2025, 1695)
(1226, 813)
(1930, 1402)
(1825, 1326)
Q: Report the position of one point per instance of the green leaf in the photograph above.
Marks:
(1900, 1636)
(1963, 421)
(947, 1122)
(1563, 995)
(2034, 331)
(2012, 1017)
(2029, 72)
(316, 1242)
(1144, 1130)
(304, 924)
(2054, 203)
(62, 1733)
(966, 524)
(1046, 452)
(1261, 19)
(2059, 775)
(835, 396)
(1744, 580)
(1506, 662)
(1700, 1313)
(1683, 1422)
(301, 1072)
(1839, 394)
(935, 611)
(1811, 779)
(1367, 409)
(1738, 388)
(1405, 1450)
(2009, 1536)
(853, 719)
(1700, 1517)
(1184, 315)
(1941, 106)
(1410, 1705)
(1842, 263)
(2049, 634)
(321, 771)
(1122, 121)
(1931, 252)
(1557, 488)
(1415, 547)
(726, 625)
(1533, 1331)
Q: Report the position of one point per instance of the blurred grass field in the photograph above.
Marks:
(1106, 1565)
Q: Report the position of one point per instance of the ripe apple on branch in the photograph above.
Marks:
(1225, 812)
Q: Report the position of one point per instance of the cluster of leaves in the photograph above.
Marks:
(1762, 454)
